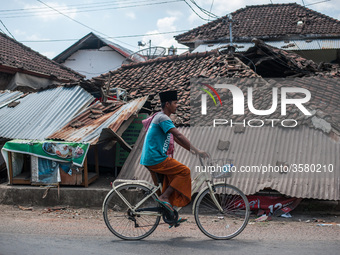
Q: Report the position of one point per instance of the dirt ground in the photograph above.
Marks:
(89, 222)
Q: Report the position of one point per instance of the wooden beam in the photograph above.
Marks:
(86, 174)
(10, 166)
(96, 160)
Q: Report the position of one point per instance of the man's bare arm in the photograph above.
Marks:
(178, 142)
(185, 143)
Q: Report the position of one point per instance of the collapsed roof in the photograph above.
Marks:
(174, 72)
(272, 62)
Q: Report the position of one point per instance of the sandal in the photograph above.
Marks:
(166, 205)
(179, 221)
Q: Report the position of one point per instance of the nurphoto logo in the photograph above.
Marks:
(238, 100)
(279, 98)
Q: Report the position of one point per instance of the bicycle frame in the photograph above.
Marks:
(196, 183)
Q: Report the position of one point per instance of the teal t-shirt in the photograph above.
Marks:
(157, 140)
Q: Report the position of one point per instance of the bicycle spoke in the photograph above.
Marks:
(122, 221)
(226, 224)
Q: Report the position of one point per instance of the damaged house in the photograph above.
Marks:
(52, 136)
(313, 140)
(22, 68)
(290, 26)
(48, 97)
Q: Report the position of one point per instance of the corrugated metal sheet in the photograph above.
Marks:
(264, 146)
(40, 114)
(7, 96)
(313, 44)
(242, 47)
(92, 128)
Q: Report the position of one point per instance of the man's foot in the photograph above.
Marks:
(179, 221)
(166, 205)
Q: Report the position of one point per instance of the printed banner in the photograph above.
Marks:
(270, 205)
(53, 150)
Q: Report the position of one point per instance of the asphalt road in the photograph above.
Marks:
(82, 231)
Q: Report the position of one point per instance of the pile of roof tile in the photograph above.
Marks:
(269, 61)
(174, 73)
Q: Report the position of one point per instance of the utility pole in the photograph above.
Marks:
(231, 48)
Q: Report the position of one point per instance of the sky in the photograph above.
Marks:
(50, 26)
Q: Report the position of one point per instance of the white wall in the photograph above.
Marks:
(92, 63)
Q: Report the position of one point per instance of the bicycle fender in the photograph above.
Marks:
(116, 187)
(199, 193)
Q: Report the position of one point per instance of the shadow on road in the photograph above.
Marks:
(191, 243)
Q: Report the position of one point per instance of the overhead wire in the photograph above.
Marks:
(79, 6)
(195, 11)
(7, 29)
(67, 10)
(69, 5)
(211, 6)
(209, 14)
(82, 24)
(110, 37)
(318, 2)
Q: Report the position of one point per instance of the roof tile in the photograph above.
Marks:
(175, 72)
(20, 58)
(266, 21)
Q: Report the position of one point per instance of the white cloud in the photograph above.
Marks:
(219, 8)
(194, 19)
(326, 6)
(165, 24)
(19, 32)
(24, 36)
(45, 13)
(131, 15)
(49, 54)
(172, 13)
(223, 7)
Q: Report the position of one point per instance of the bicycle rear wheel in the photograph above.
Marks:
(222, 225)
(119, 217)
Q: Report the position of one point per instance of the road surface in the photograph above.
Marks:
(83, 231)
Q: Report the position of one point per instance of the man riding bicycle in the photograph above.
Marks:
(177, 180)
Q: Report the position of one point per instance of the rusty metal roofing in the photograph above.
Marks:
(88, 126)
(265, 146)
(39, 115)
(7, 96)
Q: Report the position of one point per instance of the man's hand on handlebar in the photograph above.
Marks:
(202, 154)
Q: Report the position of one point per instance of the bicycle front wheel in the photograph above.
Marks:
(224, 224)
(119, 215)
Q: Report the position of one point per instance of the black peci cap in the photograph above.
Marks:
(170, 95)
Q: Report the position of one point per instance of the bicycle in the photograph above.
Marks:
(131, 212)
